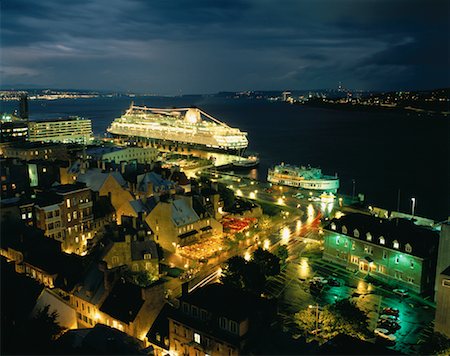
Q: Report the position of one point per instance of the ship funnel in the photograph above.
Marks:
(193, 116)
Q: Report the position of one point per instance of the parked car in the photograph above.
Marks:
(390, 311)
(401, 292)
(390, 325)
(388, 317)
(319, 279)
(384, 334)
(334, 282)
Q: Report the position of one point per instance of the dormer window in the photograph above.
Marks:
(356, 233)
(147, 256)
(369, 236)
(408, 248)
(333, 226)
(395, 244)
(344, 229)
(382, 240)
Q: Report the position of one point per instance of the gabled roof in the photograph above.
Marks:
(123, 302)
(423, 241)
(183, 213)
(95, 178)
(157, 181)
(160, 327)
(139, 248)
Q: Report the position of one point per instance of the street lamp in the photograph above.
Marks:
(413, 205)
(317, 315)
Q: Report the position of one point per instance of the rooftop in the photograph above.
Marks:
(223, 300)
(423, 241)
(124, 301)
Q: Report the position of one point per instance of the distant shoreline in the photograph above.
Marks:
(408, 110)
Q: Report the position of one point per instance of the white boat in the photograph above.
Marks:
(303, 177)
(190, 127)
(246, 162)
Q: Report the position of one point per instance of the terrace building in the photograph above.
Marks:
(395, 251)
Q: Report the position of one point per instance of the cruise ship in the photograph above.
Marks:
(190, 127)
(303, 177)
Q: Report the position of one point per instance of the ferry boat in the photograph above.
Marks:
(303, 177)
(190, 127)
(248, 162)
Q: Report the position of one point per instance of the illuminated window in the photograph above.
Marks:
(30, 215)
(408, 248)
(44, 170)
(147, 256)
(69, 217)
(353, 245)
(333, 226)
(396, 244)
(369, 236)
(74, 214)
(344, 229)
(382, 240)
(197, 338)
(356, 233)
(24, 216)
(68, 203)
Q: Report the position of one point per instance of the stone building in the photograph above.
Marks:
(395, 251)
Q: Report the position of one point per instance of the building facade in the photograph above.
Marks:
(70, 130)
(396, 252)
(66, 215)
(442, 321)
(175, 223)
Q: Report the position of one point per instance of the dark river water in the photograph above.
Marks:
(381, 152)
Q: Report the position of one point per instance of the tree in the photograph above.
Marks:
(227, 195)
(253, 278)
(342, 317)
(282, 253)
(233, 273)
(267, 262)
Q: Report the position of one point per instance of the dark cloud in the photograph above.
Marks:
(204, 46)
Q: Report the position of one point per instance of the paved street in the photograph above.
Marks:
(299, 229)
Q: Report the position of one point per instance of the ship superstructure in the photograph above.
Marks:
(302, 177)
(179, 126)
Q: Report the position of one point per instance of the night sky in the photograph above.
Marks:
(198, 46)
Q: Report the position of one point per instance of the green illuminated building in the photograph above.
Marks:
(395, 251)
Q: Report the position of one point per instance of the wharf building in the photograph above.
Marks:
(63, 130)
(117, 154)
(395, 251)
